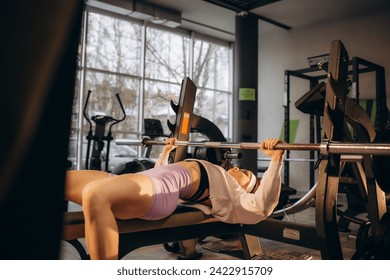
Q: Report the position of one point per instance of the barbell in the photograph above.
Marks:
(326, 147)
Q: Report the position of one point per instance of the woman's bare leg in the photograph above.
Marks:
(121, 197)
(76, 180)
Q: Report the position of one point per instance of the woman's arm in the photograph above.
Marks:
(259, 205)
(164, 155)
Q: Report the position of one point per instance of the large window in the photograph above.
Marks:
(166, 64)
(145, 65)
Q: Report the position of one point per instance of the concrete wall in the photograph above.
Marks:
(366, 36)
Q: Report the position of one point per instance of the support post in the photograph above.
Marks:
(245, 87)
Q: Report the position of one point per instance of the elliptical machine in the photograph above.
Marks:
(101, 121)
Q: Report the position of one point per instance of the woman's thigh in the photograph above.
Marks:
(76, 180)
(128, 196)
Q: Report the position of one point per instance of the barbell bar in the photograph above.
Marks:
(326, 147)
(290, 159)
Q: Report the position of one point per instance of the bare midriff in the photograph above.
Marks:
(193, 168)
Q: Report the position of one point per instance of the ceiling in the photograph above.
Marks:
(217, 17)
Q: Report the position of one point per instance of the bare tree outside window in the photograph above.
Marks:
(211, 75)
(166, 64)
(167, 59)
(113, 51)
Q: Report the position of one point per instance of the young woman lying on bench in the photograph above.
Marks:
(233, 196)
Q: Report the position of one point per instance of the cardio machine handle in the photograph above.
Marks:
(123, 111)
(116, 121)
(85, 111)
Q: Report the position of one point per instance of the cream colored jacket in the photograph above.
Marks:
(230, 202)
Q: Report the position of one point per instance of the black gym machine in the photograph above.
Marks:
(313, 104)
(359, 128)
(98, 137)
(363, 130)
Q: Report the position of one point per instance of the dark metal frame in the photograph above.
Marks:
(357, 66)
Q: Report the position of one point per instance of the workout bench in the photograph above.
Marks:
(185, 224)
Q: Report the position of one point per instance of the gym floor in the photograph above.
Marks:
(270, 248)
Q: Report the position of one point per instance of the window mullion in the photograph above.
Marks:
(141, 94)
(230, 101)
(80, 124)
(191, 56)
